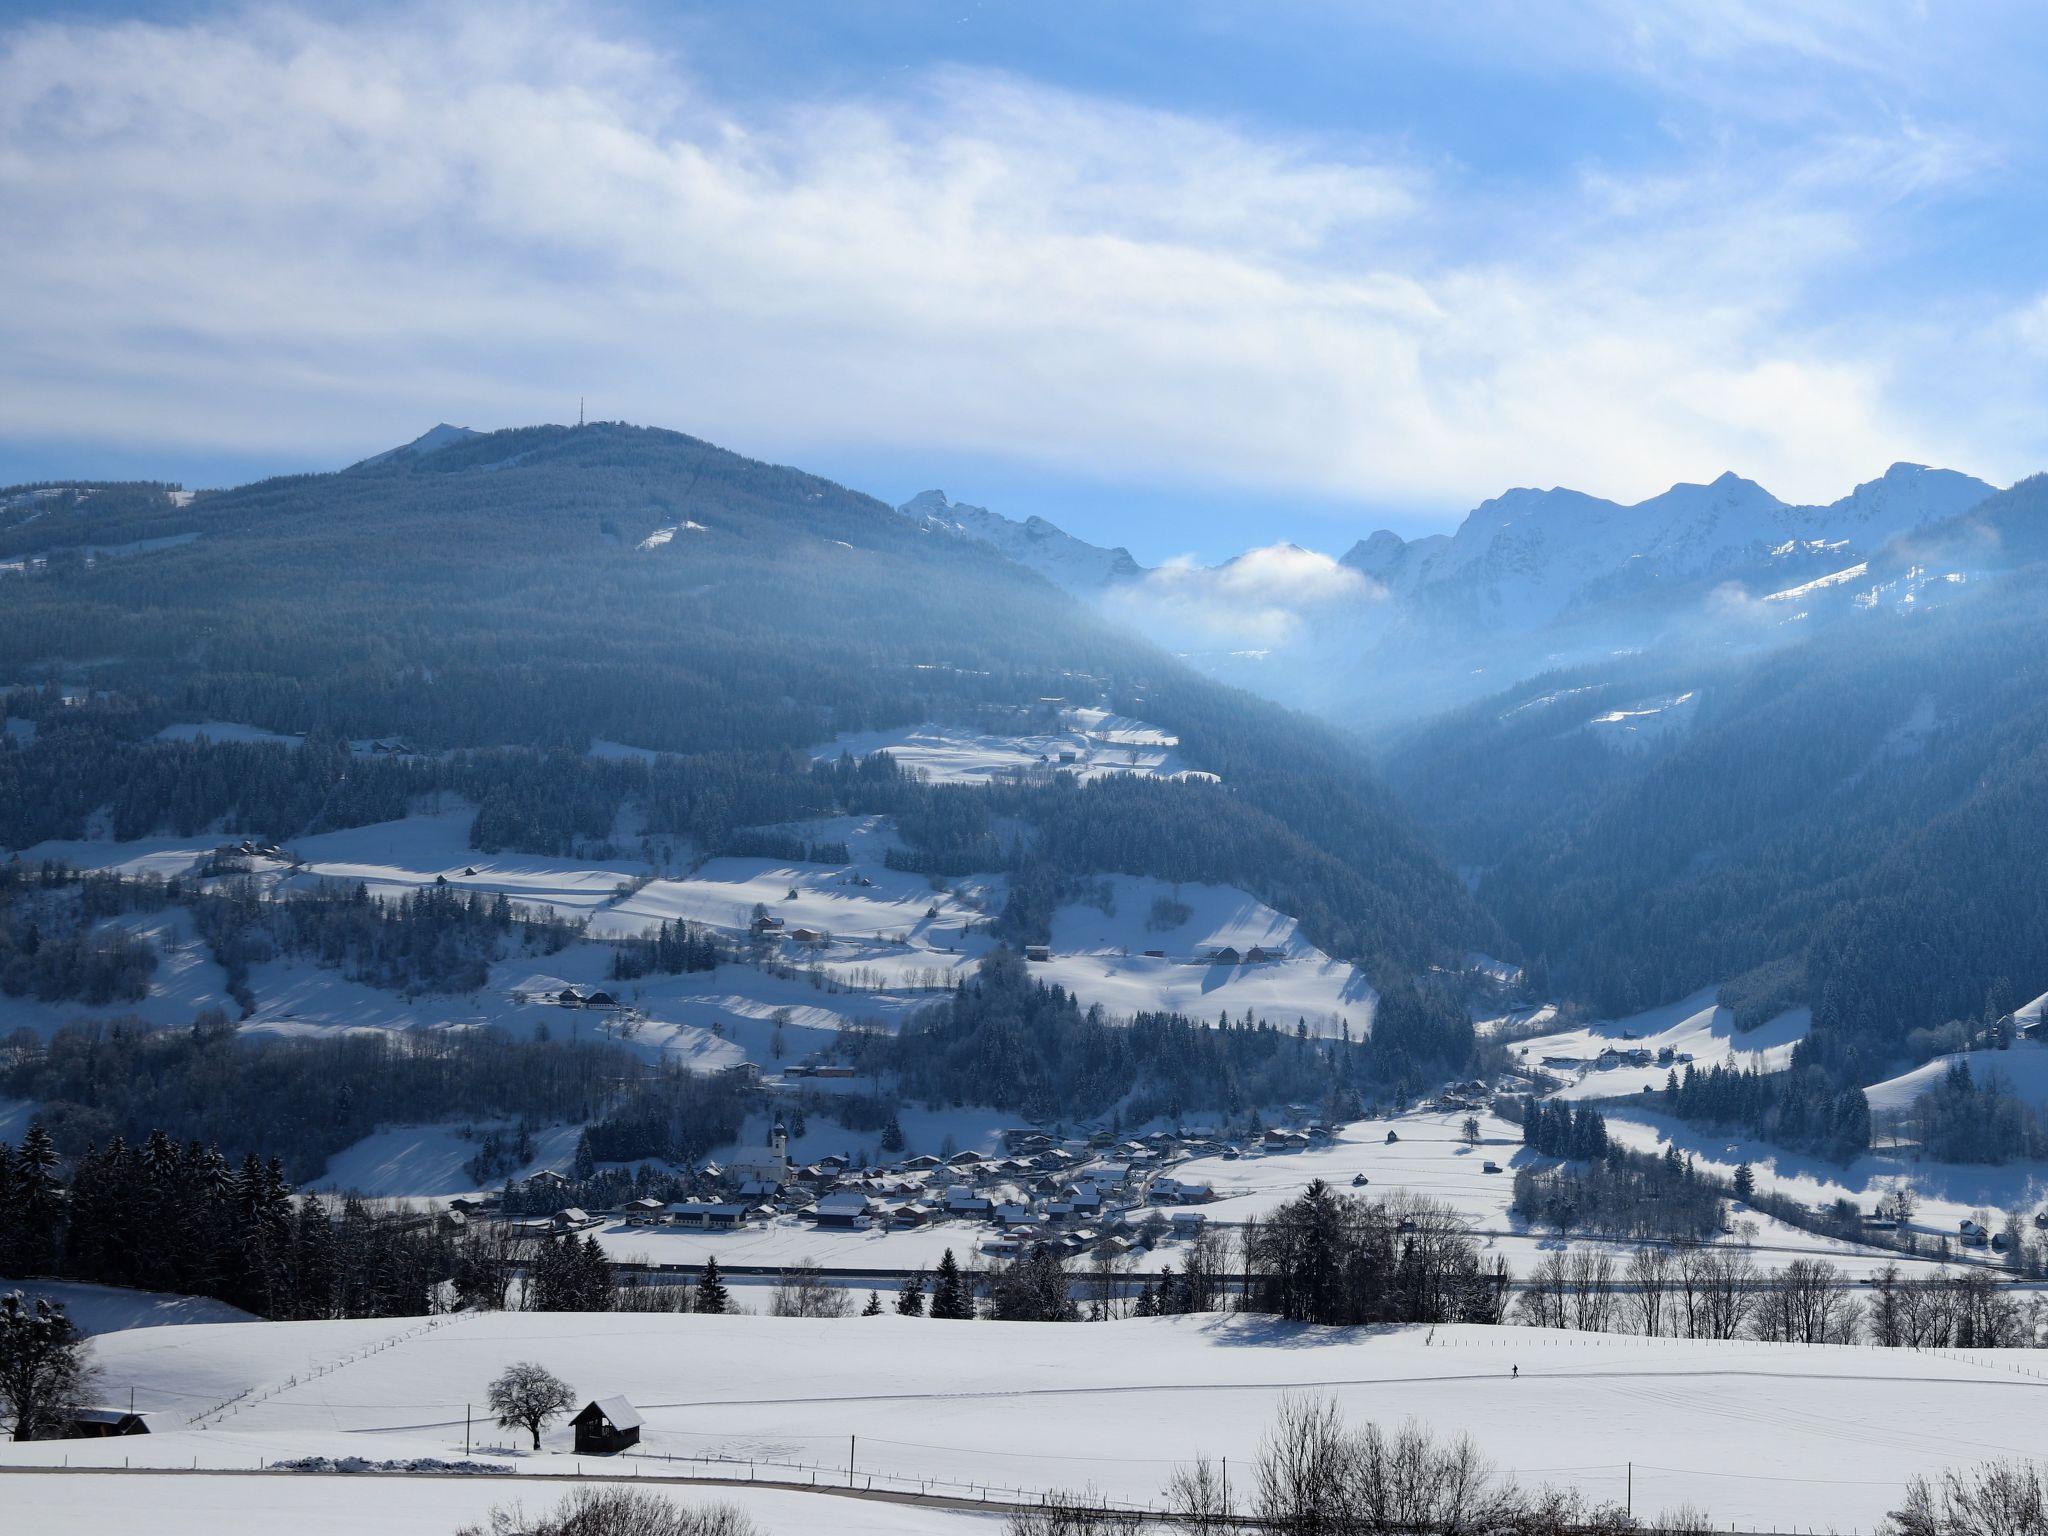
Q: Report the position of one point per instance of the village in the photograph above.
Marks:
(1081, 1197)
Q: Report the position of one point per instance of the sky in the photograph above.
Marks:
(1182, 276)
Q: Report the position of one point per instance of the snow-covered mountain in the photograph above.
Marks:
(1528, 557)
(435, 438)
(1034, 543)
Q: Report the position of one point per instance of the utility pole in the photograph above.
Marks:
(852, 1441)
(465, 1429)
(1630, 1507)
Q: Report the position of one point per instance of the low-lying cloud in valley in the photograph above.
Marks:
(1263, 600)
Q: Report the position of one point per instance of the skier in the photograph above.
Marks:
(1515, 1371)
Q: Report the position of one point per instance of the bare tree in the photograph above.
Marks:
(1197, 1497)
(1649, 1277)
(1074, 1514)
(616, 1512)
(1205, 1265)
(1301, 1478)
(1546, 1303)
(1592, 1290)
(803, 1291)
(528, 1396)
(1999, 1498)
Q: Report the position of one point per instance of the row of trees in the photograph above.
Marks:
(1701, 1291)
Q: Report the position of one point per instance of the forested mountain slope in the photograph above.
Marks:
(1854, 822)
(539, 589)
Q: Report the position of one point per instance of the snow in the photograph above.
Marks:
(2024, 1068)
(1646, 721)
(1946, 1192)
(394, 857)
(425, 1161)
(1041, 546)
(1431, 1159)
(224, 731)
(202, 1504)
(1820, 583)
(1762, 1435)
(101, 1309)
(1695, 1025)
(1099, 743)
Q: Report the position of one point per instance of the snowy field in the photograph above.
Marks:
(1090, 744)
(2024, 1068)
(1945, 1193)
(1695, 1025)
(200, 1504)
(1431, 1159)
(888, 941)
(1762, 1435)
(112, 1308)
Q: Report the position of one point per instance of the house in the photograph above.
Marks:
(1227, 955)
(1186, 1223)
(924, 1162)
(570, 1217)
(644, 1212)
(1155, 954)
(806, 936)
(832, 1071)
(707, 1215)
(569, 997)
(842, 1208)
(600, 1000)
(762, 927)
(960, 1202)
(1037, 951)
(1257, 955)
(914, 1213)
(606, 1426)
(1012, 1214)
(102, 1424)
(963, 1159)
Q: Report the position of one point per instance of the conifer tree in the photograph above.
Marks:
(950, 1296)
(711, 1293)
(910, 1300)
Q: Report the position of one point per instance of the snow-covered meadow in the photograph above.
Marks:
(1764, 1436)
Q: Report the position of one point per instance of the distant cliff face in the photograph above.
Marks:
(1062, 559)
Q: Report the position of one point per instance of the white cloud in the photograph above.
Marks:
(1264, 599)
(266, 232)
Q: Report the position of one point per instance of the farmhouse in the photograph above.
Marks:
(843, 1208)
(1227, 955)
(707, 1215)
(606, 1426)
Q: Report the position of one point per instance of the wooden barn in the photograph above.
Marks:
(606, 1426)
(103, 1424)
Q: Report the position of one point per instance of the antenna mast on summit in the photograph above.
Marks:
(579, 410)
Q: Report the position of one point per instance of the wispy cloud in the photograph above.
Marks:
(1262, 600)
(260, 229)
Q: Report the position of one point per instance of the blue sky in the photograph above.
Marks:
(1184, 276)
